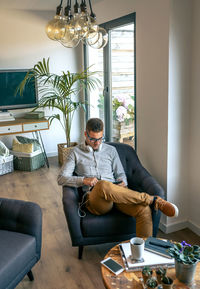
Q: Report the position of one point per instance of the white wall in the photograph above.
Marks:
(24, 43)
(152, 42)
(152, 55)
(178, 113)
(167, 129)
(194, 137)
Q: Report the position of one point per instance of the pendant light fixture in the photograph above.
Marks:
(72, 28)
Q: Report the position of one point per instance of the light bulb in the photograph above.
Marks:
(102, 40)
(92, 40)
(81, 24)
(69, 33)
(55, 28)
(93, 31)
(71, 44)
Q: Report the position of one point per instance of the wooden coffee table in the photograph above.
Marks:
(132, 280)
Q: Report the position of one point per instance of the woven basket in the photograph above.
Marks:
(63, 151)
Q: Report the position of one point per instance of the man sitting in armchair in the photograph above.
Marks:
(98, 170)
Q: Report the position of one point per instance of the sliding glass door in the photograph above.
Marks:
(114, 101)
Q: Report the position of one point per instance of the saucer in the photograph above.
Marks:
(136, 261)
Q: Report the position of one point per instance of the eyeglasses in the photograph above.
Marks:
(92, 139)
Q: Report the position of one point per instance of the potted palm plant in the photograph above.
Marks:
(62, 92)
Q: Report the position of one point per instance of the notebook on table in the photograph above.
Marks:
(150, 259)
(158, 246)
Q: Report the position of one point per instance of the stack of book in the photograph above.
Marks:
(155, 255)
(6, 116)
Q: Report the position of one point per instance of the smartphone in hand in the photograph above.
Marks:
(117, 182)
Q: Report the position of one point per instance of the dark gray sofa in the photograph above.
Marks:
(20, 240)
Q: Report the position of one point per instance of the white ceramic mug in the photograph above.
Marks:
(137, 248)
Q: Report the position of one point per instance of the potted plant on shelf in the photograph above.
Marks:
(167, 282)
(152, 283)
(61, 92)
(186, 258)
(160, 273)
(146, 273)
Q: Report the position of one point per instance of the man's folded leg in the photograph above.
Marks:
(143, 217)
(105, 193)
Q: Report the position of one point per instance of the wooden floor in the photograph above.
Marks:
(59, 267)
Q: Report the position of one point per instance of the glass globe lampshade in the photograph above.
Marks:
(55, 28)
(81, 25)
(70, 44)
(93, 30)
(69, 33)
(92, 40)
(69, 29)
(102, 39)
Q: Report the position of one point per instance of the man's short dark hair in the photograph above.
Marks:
(94, 124)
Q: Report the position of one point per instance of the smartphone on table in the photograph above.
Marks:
(112, 265)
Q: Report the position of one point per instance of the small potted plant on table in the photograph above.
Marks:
(146, 273)
(160, 273)
(151, 283)
(167, 282)
(186, 258)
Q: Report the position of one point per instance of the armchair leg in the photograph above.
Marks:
(30, 275)
(80, 252)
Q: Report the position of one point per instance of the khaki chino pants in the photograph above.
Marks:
(100, 201)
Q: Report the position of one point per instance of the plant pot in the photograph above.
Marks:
(167, 286)
(63, 151)
(185, 272)
(145, 277)
(158, 276)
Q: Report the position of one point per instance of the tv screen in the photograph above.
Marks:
(9, 81)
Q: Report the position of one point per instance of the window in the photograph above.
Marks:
(115, 101)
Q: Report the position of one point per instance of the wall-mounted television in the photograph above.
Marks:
(9, 81)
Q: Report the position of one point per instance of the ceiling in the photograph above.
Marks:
(35, 4)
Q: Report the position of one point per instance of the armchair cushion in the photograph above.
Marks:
(22, 217)
(20, 250)
(113, 224)
(20, 240)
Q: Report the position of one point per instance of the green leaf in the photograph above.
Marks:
(62, 92)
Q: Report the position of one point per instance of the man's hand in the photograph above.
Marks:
(122, 184)
(91, 182)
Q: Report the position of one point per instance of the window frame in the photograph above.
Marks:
(115, 23)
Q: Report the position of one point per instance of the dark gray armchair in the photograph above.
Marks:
(113, 226)
(20, 240)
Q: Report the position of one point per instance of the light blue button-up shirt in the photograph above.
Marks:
(103, 164)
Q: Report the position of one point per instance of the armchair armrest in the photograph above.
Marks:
(70, 206)
(152, 187)
(142, 181)
(22, 217)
